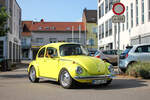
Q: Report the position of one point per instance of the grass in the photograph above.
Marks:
(139, 69)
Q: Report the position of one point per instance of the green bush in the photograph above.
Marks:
(139, 69)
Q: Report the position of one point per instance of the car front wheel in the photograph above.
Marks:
(66, 80)
(32, 75)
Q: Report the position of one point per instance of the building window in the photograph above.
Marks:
(94, 30)
(99, 12)
(102, 9)
(149, 10)
(24, 41)
(39, 40)
(122, 26)
(131, 15)
(91, 42)
(102, 30)
(76, 40)
(106, 6)
(142, 11)
(47, 28)
(17, 53)
(52, 40)
(110, 27)
(1, 49)
(14, 53)
(0, 6)
(119, 27)
(106, 28)
(10, 50)
(52, 28)
(127, 17)
(115, 28)
(137, 20)
(68, 28)
(110, 4)
(40, 28)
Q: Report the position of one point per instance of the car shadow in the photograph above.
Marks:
(116, 84)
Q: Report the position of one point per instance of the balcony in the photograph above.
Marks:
(37, 45)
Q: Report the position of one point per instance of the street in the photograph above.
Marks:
(14, 85)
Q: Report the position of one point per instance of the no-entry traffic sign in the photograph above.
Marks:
(118, 8)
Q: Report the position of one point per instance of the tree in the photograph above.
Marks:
(3, 21)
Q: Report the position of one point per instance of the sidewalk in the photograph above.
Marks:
(26, 61)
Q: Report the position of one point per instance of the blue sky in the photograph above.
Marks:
(55, 10)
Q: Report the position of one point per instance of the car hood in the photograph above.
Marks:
(93, 65)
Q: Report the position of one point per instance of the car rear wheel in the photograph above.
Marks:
(66, 80)
(32, 75)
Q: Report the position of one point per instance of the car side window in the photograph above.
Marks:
(143, 49)
(51, 52)
(105, 52)
(148, 48)
(41, 53)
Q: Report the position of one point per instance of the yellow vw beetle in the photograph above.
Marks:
(68, 64)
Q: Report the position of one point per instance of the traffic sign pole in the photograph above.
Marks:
(118, 9)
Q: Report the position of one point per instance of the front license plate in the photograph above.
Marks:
(99, 81)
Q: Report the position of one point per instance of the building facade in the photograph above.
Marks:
(135, 30)
(26, 40)
(89, 18)
(11, 42)
(43, 33)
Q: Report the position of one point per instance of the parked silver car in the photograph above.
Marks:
(132, 54)
(110, 56)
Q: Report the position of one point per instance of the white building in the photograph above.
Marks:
(135, 30)
(11, 42)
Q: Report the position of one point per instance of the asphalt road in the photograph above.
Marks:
(14, 85)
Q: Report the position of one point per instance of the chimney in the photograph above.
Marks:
(42, 20)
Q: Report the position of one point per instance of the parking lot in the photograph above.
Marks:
(14, 85)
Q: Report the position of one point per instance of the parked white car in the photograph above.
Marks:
(132, 54)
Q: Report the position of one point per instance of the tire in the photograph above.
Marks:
(32, 75)
(66, 80)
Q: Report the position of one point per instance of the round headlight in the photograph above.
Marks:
(79, 70)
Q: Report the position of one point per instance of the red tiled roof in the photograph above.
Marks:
(57, 26)
(27, 23)
(26, 33)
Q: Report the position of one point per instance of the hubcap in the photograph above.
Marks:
(65, 78)
(32, 74)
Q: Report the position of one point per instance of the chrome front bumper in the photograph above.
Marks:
(99, 77)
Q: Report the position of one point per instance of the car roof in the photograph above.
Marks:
(58, 44)
(142, 44)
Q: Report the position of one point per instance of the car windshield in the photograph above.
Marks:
(110, 52)
(72, 49)
(127, 50)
